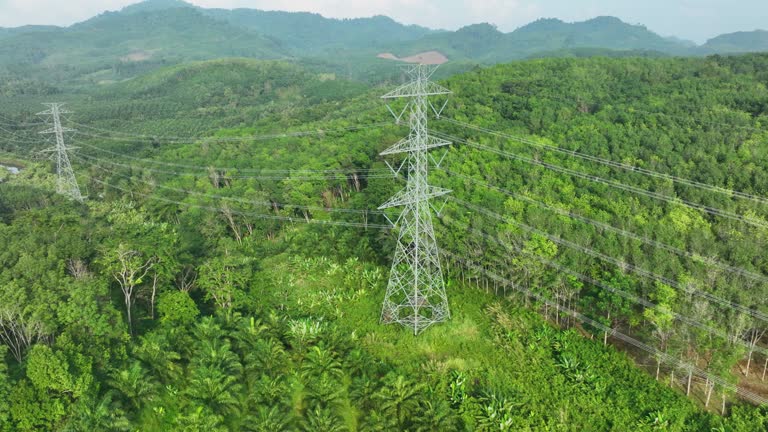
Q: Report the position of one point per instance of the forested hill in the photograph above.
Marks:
(116, 45)
(263, 258)
(738, 42)
(307, 34)
(119, 45)
(484, 43)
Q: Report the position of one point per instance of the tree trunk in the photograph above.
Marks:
(749, 363)
(128, 303)
(605, 334)
(227, 213)
(710, 387)
(690, 376)
(155, 277)
(765, 366)
(356, 182)
(672, 378)
(723, 411)
(658, 368)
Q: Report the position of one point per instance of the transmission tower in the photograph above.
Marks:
(66, 183)
(415, 295)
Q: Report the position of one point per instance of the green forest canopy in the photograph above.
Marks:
(242, 322)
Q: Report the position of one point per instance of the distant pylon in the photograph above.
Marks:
(415, 294)
(66, 183)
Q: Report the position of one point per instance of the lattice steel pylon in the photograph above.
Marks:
(66, 183)
(416, 295)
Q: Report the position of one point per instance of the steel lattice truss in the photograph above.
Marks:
(66, 183)
(416, 291)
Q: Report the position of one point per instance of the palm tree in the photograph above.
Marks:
(155, 352)
(267, 390)
(399, 399)
(321, 361)
(437, 415)
(362, 392)
(273, 418)
(322, 419)
(97, 415)
(217, 354)
(267, 356)
(208, 329)
(215, 389)
(248, 333)
(374, 421)
(199, 419)
(324, 391)
(134, 384)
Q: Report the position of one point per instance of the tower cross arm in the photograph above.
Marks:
(414, 89)
(409, 145)
(50, 112)
(406, 197)
(54, 130)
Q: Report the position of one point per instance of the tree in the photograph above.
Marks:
(128, 267)
(754, 335)
(156, 353)
(399, 400)
(224, 278)
(215, 389)
(5, 386)
(612, 309)
(18, 332)
(177, 308)
(140, 252)
(662, 318)
(134, 384)
(101, 414)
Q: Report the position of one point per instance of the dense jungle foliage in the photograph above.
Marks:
(198, 289)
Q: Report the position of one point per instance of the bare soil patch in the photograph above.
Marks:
(137, 56)
(427, 58)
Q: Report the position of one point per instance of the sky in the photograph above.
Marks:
(696, 20)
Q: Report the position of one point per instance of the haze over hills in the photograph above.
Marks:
(118, 45)
(739, 42)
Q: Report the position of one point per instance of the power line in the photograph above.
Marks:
(245, 214)
(303, 175)
(614, 184)
(613, 164)
(11, 122)
(621, 293)
(650, 113)
(204, 168)
(265, 137)
(660, 355)
(619, 263)
(239, 200)
(625, 233)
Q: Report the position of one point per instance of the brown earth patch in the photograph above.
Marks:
(387, 56)
(428, 58)
(136, 56)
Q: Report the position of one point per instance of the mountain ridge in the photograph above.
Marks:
(115, 45)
